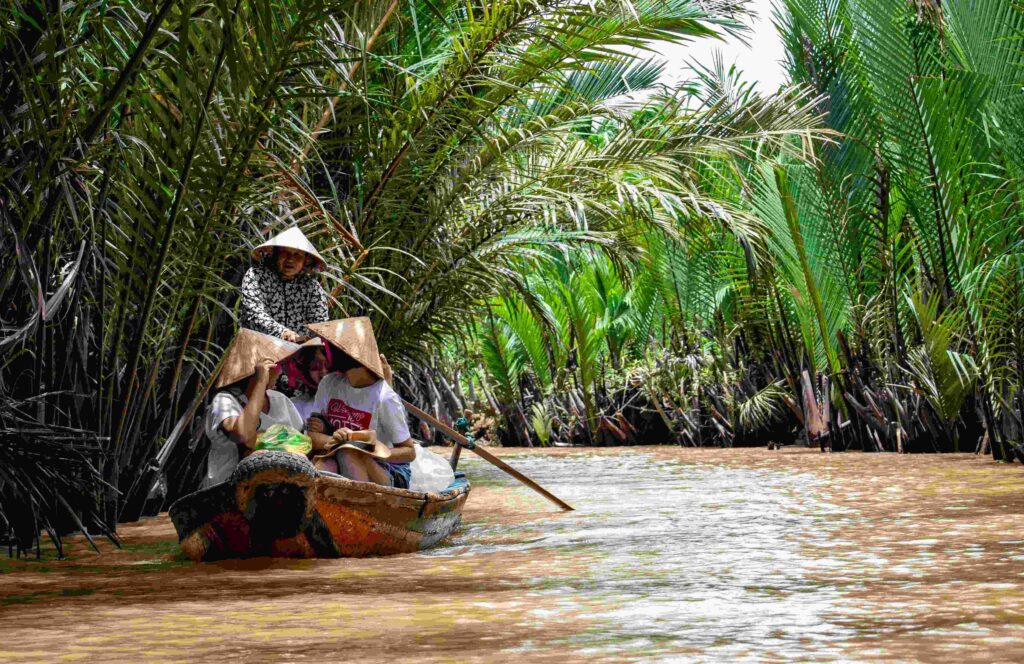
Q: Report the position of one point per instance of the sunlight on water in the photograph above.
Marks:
(677, 558)
(672, 555)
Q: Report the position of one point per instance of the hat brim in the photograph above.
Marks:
(355, 338)
(378, 451)
(245, 353)
(292, 238)
(372, 448)
(336, 347)
(262, 252)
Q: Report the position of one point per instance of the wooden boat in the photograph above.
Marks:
(277, 504)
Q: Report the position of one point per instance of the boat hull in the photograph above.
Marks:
(318, 516)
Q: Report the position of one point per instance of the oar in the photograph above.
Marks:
(487, 456)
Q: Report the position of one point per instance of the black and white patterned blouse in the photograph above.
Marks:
(271, 305)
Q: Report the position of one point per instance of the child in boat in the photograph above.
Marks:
(280, 292)
(245, 406)
(356, 398)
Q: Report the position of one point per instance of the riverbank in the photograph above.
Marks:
(673, 552)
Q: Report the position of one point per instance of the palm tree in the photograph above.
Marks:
(136, 169)
(920, 194)
(436, 150)
(482, 146)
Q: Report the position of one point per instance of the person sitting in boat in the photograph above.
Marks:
(245, 406)
(280, 292)
(301, 375)
(359, 410)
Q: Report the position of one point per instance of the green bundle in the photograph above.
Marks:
(285, 439)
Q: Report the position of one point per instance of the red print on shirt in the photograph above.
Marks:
(340, 414)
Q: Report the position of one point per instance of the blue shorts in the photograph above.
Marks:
(399, 472)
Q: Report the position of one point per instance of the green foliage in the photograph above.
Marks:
(920, 192)
(140, 161)
(478, 181)
(945, 376)
(761, 408)
(437, 152)
(541, 421)
(883, 251)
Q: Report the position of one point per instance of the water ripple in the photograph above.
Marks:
(678, 558)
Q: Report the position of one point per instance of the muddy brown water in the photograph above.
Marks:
(672, 555)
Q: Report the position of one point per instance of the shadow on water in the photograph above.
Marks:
(706, 555)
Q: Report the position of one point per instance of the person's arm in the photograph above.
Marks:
(403, 452)
(320, 311)
(243, 429)
(254, 308)
(393, 428)
(316, 309)
(223, 408)
(314, 425)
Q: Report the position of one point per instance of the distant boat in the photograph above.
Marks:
(277, 504)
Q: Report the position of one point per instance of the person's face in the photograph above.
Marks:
(318, 366)
(360, 376)
(290, 262)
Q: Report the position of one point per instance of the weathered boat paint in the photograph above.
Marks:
(350, 519)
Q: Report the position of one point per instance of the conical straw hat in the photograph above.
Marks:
(293, 238)
(248, 349)
(353, 336)
(364, 442)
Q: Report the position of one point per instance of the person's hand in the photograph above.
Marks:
(342, 435)
(293, 337)
(386, 368)
(267, 372)
(315, 425)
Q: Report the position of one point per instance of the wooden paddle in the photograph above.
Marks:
(465, 442)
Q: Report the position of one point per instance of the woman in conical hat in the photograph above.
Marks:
(301, 374)
(244, 405)
(280, 293)
(362, 422)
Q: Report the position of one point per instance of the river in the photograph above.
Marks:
(672, 555)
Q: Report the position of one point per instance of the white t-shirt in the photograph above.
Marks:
(303, 403)
(223, 450)
(375, 407)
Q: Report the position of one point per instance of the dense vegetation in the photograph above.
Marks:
(533, 223)
(874, 298)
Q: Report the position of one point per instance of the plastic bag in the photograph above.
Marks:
(283, 438)
(430, 472)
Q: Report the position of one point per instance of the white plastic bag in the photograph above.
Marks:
(430, 472)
